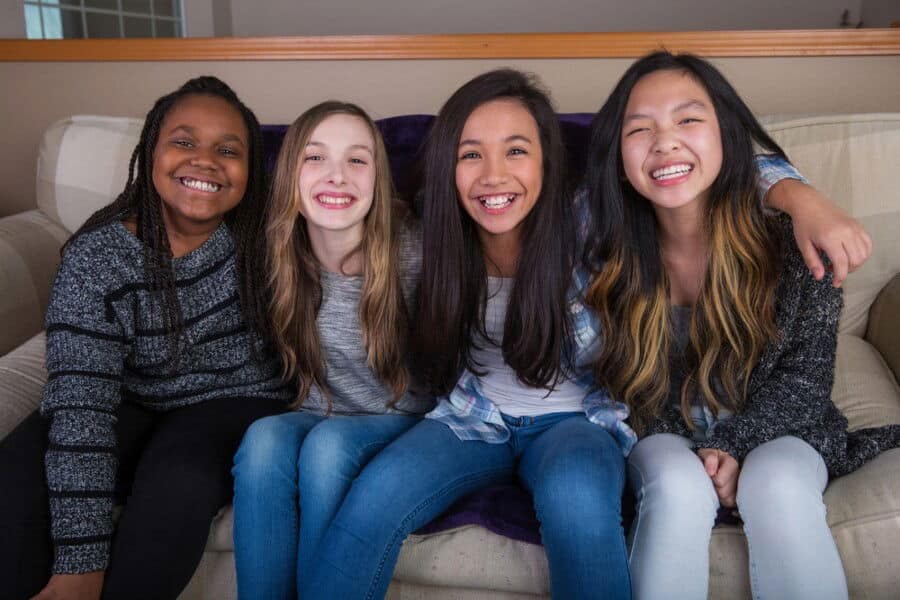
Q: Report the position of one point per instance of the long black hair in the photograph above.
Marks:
(140, 201)
(453, 294)
(612, 199)
(733, 317)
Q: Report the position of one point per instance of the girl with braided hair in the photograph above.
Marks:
(155, 362)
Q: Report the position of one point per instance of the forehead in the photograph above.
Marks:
(665, 90)
(211, 113)
(343, 130)
(500, 119)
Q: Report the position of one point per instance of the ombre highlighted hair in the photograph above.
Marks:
(293, 270)
(734, 316)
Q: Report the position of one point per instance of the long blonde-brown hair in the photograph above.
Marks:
(734, 316)
(293, 278)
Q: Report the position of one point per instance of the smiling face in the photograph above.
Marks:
(499, 169)
(200, 163)
(671, 144)
(337, 176)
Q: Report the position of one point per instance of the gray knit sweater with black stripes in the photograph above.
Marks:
(106, 344)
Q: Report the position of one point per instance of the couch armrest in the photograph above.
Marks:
(883, 330)
(22, 377)
(29, 254)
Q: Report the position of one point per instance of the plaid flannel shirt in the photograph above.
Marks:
(472, 416)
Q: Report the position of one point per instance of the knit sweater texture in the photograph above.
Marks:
(789, 392)
(106, 344)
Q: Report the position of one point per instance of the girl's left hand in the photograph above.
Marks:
(819, 225)
(723, 469)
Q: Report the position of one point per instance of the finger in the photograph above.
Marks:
(711, 463)
(859, 253)
(727, 473)
(728, 500)
(812, 260)
(840, 262)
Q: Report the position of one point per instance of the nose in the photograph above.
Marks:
(494, 171)
(336, 173)
(205, 158)
(665, 141)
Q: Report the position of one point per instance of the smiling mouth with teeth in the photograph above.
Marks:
(497, 201)
(201, 186)
(671, 172)
(330, 201)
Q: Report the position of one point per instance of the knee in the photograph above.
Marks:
(781, 476)
(269, 444)
(328, 451)
(671, 477)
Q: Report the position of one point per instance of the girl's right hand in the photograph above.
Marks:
(80, 586)
(723, 469)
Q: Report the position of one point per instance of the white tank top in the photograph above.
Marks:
(500, 384)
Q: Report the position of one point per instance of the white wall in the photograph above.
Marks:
(205, 18)
(324, 17)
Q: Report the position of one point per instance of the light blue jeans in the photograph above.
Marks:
(291, 473)
(779, 496)
(574, 470)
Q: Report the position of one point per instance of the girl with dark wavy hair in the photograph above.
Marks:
(500, 338)
(717, 338)
(155, 366)
(343, 261)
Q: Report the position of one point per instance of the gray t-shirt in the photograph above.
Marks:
(353, 387)
(701, 416)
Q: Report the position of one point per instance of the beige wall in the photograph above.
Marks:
(36, 94)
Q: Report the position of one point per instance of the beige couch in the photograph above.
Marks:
(852, 158)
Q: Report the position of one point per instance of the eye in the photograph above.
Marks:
(635, 130)
(470, 155)
(517, 151)
(313, 157)
(358, 161)
(184, 143)
(228, 151)
(688, 120)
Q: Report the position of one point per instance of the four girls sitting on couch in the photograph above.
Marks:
(659, 322)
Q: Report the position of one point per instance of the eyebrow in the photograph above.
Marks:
(351, 147)
(513, 138)
(228, 137)
(684, 105)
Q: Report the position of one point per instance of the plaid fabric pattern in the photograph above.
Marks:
(772, 169)
(472, 416)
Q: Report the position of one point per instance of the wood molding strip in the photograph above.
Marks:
(812, 42)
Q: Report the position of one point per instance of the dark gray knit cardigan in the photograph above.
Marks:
(790, 388)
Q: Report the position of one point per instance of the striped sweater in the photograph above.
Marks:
(106, 344)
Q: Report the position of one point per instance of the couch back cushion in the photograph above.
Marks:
(83, 165)
(853, 159)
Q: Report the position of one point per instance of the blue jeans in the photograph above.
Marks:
(291, 473)
(779, 495)
(574, 470)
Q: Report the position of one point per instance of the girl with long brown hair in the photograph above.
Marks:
(717, 338)
(343, 263)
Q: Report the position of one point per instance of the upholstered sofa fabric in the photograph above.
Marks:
(852, 158)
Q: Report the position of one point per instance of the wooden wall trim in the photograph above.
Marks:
(812, 42)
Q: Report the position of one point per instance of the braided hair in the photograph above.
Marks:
(140, 201)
